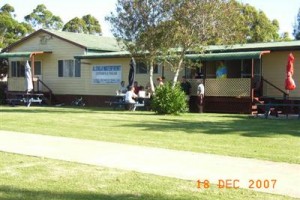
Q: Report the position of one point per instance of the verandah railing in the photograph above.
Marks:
(227, 87)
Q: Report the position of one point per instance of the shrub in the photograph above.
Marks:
(3, 86)
(169, 100)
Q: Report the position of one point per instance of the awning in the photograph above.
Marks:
(25, 54)
(226, 56)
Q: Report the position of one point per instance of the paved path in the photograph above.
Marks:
(164, 162)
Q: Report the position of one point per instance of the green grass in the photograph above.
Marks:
(224, 134)
(24, 177)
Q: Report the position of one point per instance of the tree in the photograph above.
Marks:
(10, 32)
(285, 37)
(256, 26)
(92, 24)
(196, 24)
(296, 31)
(7, 9)
(172, 29)
(10, 29)
(75, 25)
(154, 27)
(86, 24)
(139, 24)
(43, 18)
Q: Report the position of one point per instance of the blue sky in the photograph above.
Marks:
(285, 11)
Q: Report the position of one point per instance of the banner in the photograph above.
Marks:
(106, 74)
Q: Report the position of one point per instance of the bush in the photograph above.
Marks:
(3, 86)
(169, 100)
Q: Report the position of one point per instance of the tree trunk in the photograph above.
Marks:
(178, 68)
(151, 76)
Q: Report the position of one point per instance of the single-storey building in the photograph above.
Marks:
(67, 65)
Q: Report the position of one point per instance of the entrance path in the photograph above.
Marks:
(270, 177)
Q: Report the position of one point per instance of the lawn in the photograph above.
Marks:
(224, 134)
(24, 177)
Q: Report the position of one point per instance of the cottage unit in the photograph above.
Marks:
(67, 65)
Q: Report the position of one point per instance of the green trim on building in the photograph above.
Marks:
(120, 54)
(274, 46)
(15, 54)
(226, 56)
(22, 54)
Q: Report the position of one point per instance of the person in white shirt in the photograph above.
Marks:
(130, 95)
(200, 94)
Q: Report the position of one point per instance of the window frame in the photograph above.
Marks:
(35, 67)
(17, 69)
(69, 68)
(146, 68)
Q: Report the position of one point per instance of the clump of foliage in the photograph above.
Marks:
(87, 24)
(3, 86)
(296, 32)
(10, 29)
(41, 17)
(169, 100)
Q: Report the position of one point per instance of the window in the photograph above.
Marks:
(37, 67)
(155, 69)
(142, 68)
(17, 69)
(69, 68)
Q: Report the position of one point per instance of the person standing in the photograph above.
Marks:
(160, 81)
(186, 87)
(200, 95)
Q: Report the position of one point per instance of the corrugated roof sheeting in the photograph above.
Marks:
(226, 56)
(93, 42)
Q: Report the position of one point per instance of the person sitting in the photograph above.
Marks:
(148, 90)
(186, 87)
(130, 98)
(136, 87)
(122, 88)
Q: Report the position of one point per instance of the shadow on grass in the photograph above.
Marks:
(66, 109)
(48, 109)
(205, 123)
(240, 125)
(12, 193)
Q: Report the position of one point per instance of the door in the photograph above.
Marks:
(37, 74)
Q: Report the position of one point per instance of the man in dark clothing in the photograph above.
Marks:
(186, 87)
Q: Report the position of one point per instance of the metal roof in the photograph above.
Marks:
(285, 45)
(98, 46)
(226, 56)
(90, 42)
(93, 43)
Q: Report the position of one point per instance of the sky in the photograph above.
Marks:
(285, 11)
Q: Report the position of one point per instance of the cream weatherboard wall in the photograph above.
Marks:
(60, 50)
(64, 50)
(274, 70)
(97, 89)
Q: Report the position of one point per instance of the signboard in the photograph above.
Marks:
(106, 74)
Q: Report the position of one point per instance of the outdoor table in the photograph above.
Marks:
(26, 98)
(269, 106)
